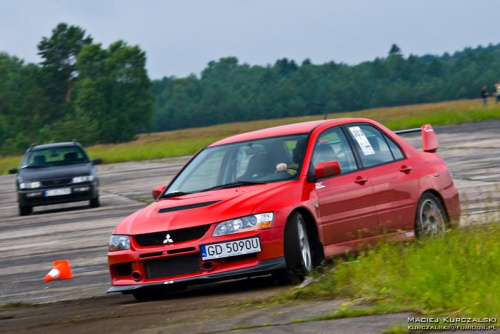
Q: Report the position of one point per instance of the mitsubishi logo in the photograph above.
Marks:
(168, 240)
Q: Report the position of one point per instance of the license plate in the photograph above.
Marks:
(230, 248)
(57, 192)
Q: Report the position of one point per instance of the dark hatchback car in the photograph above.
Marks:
(56, 173)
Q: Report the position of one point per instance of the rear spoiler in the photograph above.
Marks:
(429, 139)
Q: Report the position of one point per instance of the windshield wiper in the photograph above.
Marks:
(32, 166)
(174, 194)
(232, 185)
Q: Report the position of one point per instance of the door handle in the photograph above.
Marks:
(361, 180)
(405, 169)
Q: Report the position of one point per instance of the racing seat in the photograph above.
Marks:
(258, 166)
(39, 160)
(70, 156)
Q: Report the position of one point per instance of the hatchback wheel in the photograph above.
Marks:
(94, 202)
(298, 253)
(431, 217)
(25, 210)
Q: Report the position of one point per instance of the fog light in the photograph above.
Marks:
(81, 189)
(33, 195)
(136, 275)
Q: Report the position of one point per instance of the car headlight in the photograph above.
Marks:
(244, 224)
(119, 242)
(29, 185)
(80, 179)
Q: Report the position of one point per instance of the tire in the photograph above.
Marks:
(431, 218)
(298, 250)
(95, 203)
(25, 210)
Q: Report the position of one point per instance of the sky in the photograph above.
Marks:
(181, 36)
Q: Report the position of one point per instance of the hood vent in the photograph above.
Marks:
(187, 207)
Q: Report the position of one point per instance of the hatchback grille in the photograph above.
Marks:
(173, 266)
(56, 182)
(184, 234)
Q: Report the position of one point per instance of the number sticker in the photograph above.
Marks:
(363, 142)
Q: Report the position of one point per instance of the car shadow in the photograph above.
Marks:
(60, 209)
(235, 286)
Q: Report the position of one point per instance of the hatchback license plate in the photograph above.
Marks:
(57, 192)
(230, 248)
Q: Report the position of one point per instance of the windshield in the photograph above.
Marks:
(56, 156)
(250, 162)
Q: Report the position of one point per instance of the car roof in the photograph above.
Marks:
(55, 145)
(285, 130)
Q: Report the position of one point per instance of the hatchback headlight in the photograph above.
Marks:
(80, 179)
(119, 242)
(29, 185)
(244, 224)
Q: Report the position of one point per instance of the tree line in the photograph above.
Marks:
(80, 90)
(228, 91)
(97, 94)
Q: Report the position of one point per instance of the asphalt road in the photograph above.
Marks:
(75, 232)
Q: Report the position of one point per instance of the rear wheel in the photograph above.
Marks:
(298, 254)
(25, 210)
(431, 218)
(94, 202)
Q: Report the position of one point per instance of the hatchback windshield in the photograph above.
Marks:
(56, 156)
(250, 162)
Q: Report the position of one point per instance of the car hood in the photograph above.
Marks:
(198, 209)
(56, 172)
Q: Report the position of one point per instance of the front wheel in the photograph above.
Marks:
(298, 253)
(431, 217)
(94, 202)
(25, 210)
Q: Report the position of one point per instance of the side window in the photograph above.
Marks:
(396, 151)
(370, 144)
(332, 145)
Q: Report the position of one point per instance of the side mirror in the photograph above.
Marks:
(157, 191)
(97, 161)
(429, 139)
(326, 169)
(13, 171)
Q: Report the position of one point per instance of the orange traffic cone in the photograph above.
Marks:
(62, 270)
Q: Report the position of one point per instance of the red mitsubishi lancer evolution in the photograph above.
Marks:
(281, 200)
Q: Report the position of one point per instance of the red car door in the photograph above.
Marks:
(346, 204)
(395, 185)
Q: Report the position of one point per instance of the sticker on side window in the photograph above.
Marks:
(363, 142)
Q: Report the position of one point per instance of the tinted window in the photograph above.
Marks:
(261, 160)
(332, 145)
(56, 156)
(370, 144)
(396, 151)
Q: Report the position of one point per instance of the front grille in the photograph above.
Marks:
(184, 234)
(57, 182)
(173, 266)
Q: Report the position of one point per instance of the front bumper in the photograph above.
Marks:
(79, 192)
(144, 266)
(264, 267)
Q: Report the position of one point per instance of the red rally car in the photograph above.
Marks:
(281, 200)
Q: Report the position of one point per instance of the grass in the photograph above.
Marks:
(457, 275)
(16, 305)
(188, 141)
